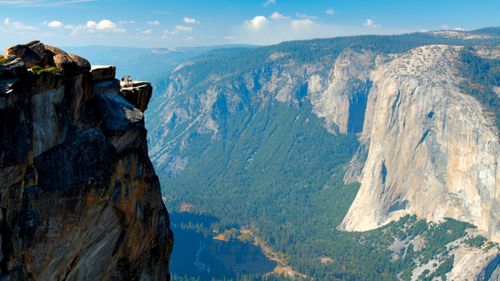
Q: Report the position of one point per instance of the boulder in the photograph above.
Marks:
(103, 72)
(138, 93)
(29, 57)
(45, 56)
(36, 53)
(69, 63)
(82, 64)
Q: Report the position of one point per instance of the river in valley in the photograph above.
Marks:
(200, 252)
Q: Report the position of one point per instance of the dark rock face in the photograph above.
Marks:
(103, 72)
(138, 93)
(79, 198)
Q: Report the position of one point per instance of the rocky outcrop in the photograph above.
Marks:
(475, 264)
(468, 261)
(433, 150)
(341, 101)
(37, 54)
(138, 93)
(79, 197)
(103, 72)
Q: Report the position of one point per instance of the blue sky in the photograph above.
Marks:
(171, 23)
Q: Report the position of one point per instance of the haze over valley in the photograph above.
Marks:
(265, 140)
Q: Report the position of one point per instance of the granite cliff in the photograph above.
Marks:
(79, 197)
(433, 149)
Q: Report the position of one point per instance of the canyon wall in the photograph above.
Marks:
(79, 197)
(433, 149)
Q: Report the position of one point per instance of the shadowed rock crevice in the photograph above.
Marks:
(357, 107)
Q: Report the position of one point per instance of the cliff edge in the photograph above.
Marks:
(433, 149)
(79, 197)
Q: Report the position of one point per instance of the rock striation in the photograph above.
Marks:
(79, 197)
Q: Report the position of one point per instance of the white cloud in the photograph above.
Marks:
(330, 12)
(459, 28)
(257, 23)
(103, 26)
(153, 22)
(76, 29)
(91, 24)
(127, 22)
(278, 16)
(305, 16)
(176, 32)
(302, 23)
(16, 25)
(371, 23)
(55, 24)
(147, 31)
(269, 3)
(189, 20)
(168, 32)
(92, 27)
(183, 28)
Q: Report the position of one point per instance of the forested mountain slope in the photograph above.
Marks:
(279, 139)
